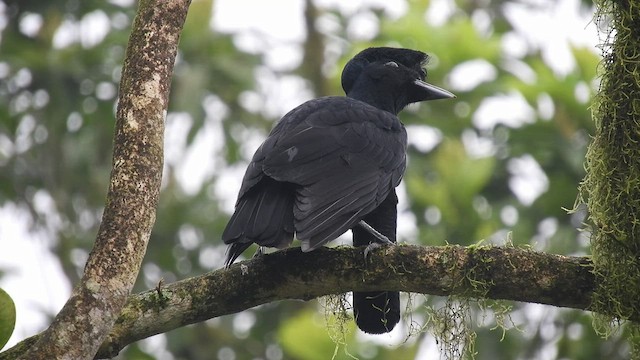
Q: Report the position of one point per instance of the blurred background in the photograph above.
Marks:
(500, 163)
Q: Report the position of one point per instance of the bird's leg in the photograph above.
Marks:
(382, 240)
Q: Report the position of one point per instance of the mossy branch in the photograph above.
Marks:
(504, 273)
(611, 188)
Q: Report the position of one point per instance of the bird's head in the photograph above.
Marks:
(390, 78)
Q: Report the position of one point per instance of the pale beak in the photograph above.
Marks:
(426, 91)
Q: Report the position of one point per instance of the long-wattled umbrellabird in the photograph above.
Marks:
(332, 164)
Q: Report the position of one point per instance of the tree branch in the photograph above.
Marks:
(478, 272)
(113, 265)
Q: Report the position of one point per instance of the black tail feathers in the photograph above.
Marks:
(376, 312)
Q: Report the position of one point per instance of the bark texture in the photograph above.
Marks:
(476, 272)
(487, 272)
(113, 265)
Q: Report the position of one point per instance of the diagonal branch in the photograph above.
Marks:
(113, 265)
(487, 272)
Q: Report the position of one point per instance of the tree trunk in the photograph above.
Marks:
(129, 215)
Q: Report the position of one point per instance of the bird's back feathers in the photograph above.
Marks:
(338, 157)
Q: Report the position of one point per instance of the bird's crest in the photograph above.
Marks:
(412, 59)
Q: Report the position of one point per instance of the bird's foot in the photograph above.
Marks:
(370, 248)
(381, 239)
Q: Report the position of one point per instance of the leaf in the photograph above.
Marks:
(304, 337)
(7, 317)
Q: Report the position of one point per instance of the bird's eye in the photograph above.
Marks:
(391, 63)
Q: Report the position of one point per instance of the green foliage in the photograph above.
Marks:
(7, 317)
(317, 344)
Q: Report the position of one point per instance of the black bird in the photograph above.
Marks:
(332, 164)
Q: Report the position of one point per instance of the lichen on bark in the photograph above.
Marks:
(89, 314)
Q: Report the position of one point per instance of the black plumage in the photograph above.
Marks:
(333, 162)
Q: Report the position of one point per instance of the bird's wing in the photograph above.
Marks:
(346, 156)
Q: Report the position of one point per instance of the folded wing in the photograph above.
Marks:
(345, 160)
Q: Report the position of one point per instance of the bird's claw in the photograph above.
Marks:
(370, 248)
(374, 246)
(380, 239)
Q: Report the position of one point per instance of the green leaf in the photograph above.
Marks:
(305, 337)
(7, 317)
(459, 176)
